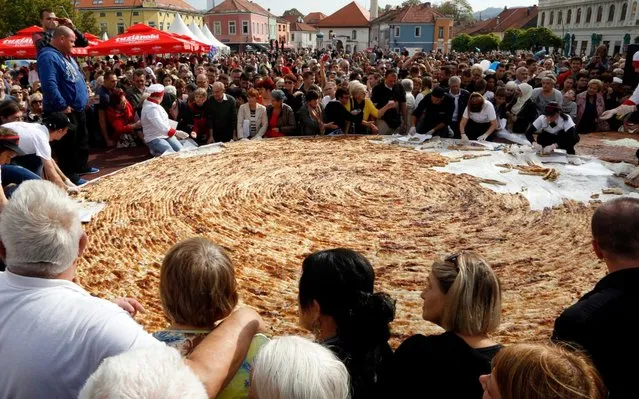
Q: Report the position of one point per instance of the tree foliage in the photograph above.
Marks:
(459, 10)
(536, 38)
(85, 21)
(461, 42)
(411, 3)
(19, 14)
(510, 40)
(487, 42)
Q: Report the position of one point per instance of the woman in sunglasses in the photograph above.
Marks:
(462, 296)
(34, 115)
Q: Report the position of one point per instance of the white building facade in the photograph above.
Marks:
(351, 39)
(304, 40)
(590, 23)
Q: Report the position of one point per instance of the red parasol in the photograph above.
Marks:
(21, 44)
(142, 39)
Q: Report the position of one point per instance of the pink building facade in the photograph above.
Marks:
(238, 26)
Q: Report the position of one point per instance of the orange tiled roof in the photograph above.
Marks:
(302, 27)
(105, 4)
(240, 6)
(351, 15)
(422, 13)
(314, 18)
(511, 18)
(290, 18)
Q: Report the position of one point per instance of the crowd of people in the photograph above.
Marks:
(56, 340)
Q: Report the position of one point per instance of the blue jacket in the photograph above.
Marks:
(63, 84)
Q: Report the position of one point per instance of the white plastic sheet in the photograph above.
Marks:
(578, 180)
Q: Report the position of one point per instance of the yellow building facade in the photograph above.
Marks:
(116, 16)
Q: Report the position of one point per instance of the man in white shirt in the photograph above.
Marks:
(53, 334)
(556, 130)
(36, 150)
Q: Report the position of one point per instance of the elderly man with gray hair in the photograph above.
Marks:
(54, 334)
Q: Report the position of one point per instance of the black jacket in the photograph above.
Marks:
(604, 322)
(464, 95)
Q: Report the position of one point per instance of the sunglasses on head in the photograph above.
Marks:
(453, 259)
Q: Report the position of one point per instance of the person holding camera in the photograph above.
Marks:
(49, 23)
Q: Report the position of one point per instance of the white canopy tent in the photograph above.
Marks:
(178, 26)
(223, 48)
(198, 33)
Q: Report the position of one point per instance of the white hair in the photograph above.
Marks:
(40, 228)
(355, 87)
(407, 84)
(296, 368)
(454, 80)
(170, 89)
(144, 373)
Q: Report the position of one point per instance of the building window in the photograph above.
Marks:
(121, 28)
(568, 16)
(217, 28)
(588, 15)
(560, 18)
(232, 28)
(611, 13)
(292, 37)
(552, 18)
(578, 18)
(168, 26)
(310, 37)
(354, 35)
(118, 14)
(418, 31)
(118, 1)
(104, 27)
(599, 13)
(151, 24)
(440, 34)
(634, 9)
(136, 13)
(161, 25)
(397, 31)
(97, 1)
(543, 19)
(253, 26)
(245, 27)
(624, 11)
(450, 32)
(102, 14)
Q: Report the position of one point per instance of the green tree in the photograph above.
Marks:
(510, 40)
(536, 38)
(85, 21)
(459, 10)
(19, 14)
(487, 42)
(411, 3)
(462, 42)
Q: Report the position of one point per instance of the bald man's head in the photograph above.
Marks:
(63, 39)
(615, 228)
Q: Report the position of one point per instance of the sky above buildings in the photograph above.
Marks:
(330, 6)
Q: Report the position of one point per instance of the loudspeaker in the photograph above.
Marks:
(630, 77)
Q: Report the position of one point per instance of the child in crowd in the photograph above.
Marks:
(569, 106)
(198, 289)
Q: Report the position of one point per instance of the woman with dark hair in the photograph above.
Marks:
(338, 305)
(121, 120)
(312, 118)
(479, 120)
(10, 112)
(265, 87)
